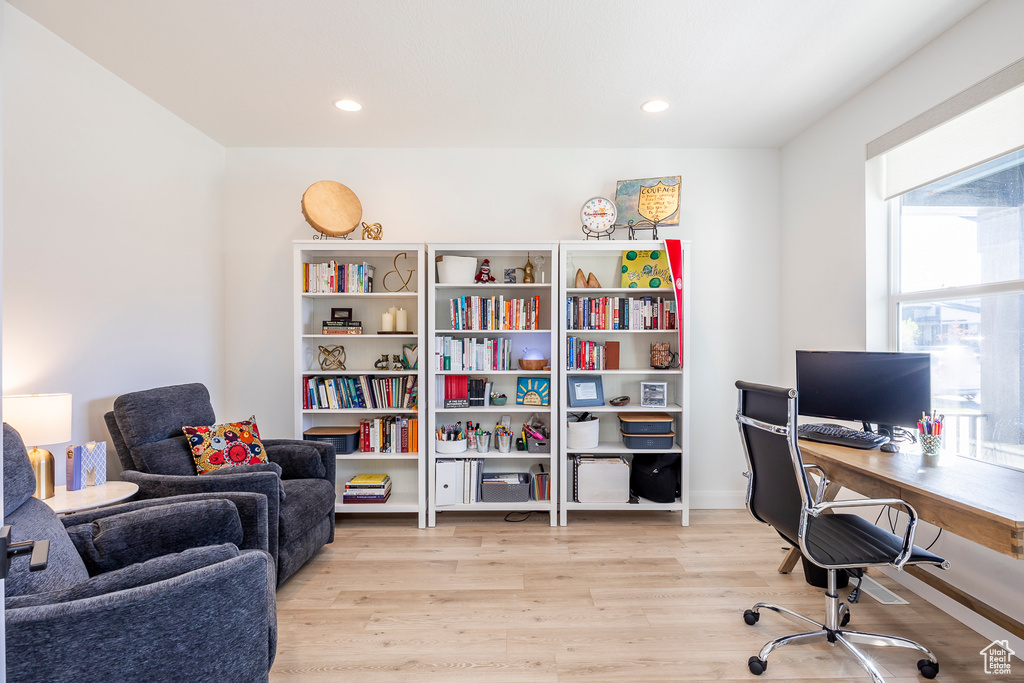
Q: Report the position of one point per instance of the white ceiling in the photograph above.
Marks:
(498, 73)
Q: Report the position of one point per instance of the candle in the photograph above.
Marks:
(402, 320)
(393, 310)
(387, 323)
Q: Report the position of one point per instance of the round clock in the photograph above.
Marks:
(598, 216)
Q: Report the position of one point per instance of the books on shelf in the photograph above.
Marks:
(389, 434)
(367, 488)
(472, 355)
(333, 278)
(359, 391)
(620, 313)
(453, 391)
(342, 327)
(494, 313)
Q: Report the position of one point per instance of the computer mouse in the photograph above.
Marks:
(889, 448)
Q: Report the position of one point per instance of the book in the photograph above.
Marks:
(369, 479)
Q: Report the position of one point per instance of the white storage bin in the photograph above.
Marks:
(456, 270)
(583, 435)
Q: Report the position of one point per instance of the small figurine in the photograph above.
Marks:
(396, 362)
(485, 273)
(382, 364)
(528, 270)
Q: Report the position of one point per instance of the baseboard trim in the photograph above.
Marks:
(718, 500)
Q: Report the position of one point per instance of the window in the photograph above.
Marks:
(959, 294)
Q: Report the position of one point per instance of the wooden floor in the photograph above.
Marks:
(611, 597)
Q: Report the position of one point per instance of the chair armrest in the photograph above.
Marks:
(133, 576)
(146, 632)
(819, 495)
(292, 452)
(252, 513)
(124, 539)
(165, 485)
(908, 535)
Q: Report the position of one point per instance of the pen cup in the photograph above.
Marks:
(449, 447)
(930, 443)
(504, 443)
(483, 442)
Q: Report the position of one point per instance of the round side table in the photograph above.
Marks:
(63, 501)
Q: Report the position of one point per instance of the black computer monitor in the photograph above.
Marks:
(884, 389)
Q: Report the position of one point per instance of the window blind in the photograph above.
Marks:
(979, 124)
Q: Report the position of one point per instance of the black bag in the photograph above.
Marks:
(656, 477)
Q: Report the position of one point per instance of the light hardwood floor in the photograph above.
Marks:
(611, 597)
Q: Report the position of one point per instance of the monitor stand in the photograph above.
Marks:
(884, 430)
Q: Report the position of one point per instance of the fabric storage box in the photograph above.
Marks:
(602, 480)
(649, 440)
(645, 423)
(583, 435)
(344, 439)
(505, 487)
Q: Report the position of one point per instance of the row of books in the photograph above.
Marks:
(359, 391)
(389, 434)
(367, 488)
(461, 391)
(342, 327)
(620, 313)
(584, 354)
(472, 355)
(494, 313)
(333, 277)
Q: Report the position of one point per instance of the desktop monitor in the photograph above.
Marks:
(885, 389)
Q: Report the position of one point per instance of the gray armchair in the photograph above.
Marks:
(298, 480)
(175, 590)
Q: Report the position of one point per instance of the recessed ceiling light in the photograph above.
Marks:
(347, 105)
(654, 106)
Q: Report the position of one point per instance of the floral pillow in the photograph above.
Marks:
(225, 445)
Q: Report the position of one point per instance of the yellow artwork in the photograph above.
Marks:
(645, 269)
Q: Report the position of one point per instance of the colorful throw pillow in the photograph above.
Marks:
(225, 445)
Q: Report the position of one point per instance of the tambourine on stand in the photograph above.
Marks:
(331, 209)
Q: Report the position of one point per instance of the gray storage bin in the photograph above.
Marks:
(344, 439)
(649, 440)
(645, 423)
(505, 492)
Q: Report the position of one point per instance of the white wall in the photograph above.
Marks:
(730, 212)
(112, 259)
(828, 256)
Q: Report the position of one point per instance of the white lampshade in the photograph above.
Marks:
(41, 419)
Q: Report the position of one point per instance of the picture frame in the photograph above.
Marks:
(341, 314)
(654, 394)
(533, 391)
(585, 391)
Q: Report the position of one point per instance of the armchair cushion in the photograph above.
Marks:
(117, 541)
(225, 445)
(297, 459)
(150, 571)
(309, 500)
(258, 467)
(169, 456)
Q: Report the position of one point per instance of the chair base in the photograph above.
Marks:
(837, 615)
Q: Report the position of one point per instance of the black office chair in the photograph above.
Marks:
(779, 494)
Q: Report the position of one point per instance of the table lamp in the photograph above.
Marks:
(40, 419)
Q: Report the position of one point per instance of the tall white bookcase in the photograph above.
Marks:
(538, 333)
(406, 469)
(604, 260)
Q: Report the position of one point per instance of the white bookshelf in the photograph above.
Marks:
(604, 260)
(407, 469)
(439, 326)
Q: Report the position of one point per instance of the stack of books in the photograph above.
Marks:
(367, 488)
(342, 327)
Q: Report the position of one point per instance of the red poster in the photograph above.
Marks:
(675, 264)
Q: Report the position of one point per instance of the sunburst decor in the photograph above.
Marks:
(533, 391)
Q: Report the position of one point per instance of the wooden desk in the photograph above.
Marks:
(972, 499)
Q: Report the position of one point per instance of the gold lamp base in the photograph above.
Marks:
(42, 465)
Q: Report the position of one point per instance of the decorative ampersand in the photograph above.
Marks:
(405, 281)
(332, 357)
(372, 231)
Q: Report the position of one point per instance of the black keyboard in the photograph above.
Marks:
(841, 436)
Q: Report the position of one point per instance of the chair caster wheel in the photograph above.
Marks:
(928, 668)
(751, 617)
(757, 665)
(845, 620)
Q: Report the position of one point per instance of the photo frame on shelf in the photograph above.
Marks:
(341, 314)
(585, 391)
(654, 394)
(533, 391)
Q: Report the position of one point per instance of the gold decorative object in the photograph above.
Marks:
(332, 357)
(372, 231)
(528, 270)
(405, 281)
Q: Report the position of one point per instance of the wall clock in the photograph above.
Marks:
(598, 217)
(533, 391)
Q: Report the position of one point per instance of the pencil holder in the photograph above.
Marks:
(930, 443)
(450, 447)
(483, 442)
(504, 443)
